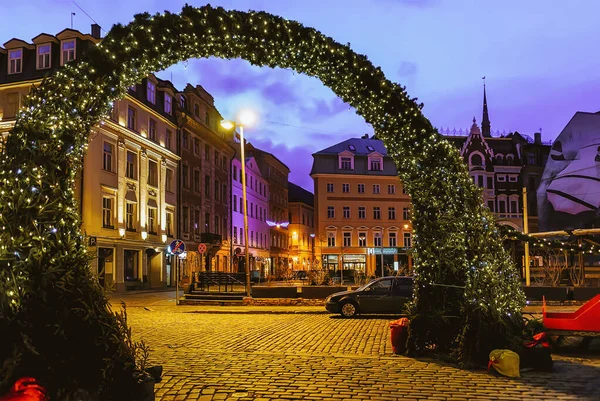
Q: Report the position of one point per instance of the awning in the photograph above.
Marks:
(152, 203)
(131, 196)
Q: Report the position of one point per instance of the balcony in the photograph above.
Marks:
(210, 238)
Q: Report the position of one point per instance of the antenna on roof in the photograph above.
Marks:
(72, 15)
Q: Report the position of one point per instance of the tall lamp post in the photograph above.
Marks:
(245, 118)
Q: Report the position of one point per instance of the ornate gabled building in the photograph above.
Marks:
(502, 165)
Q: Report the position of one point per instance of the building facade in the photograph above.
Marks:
(205, 194)
(257, 197)
(502, 165)
(276, 174)
(127, 187)
(362, 211)
(302, 228)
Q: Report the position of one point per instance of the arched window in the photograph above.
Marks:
(476, 160)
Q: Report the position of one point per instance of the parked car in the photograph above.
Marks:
(382, 295)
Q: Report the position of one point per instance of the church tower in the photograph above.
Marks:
(485, 121)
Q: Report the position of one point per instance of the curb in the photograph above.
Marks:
(258, 312)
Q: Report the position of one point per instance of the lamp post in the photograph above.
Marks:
(245, 118)
(312, 260)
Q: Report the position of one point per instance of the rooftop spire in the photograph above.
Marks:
(485, 121)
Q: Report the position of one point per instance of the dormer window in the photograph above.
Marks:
(346, 163)
(352, 147)
(151, 92)
(510, 160)
(182, 102)
(375, 163)
(168, 104)
(68, 51)
(43, 57)
(370, 148)
(15, 61)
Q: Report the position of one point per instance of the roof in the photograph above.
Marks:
(299, 194)
(358, 146)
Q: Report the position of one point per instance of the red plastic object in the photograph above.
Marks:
(26, 389)
(538, 339)
(399, 335)
(586, 318)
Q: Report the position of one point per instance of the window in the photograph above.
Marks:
(490, 205)
(377, 240)
(107, 212)
(330, 212)
(196, 180)
(107, 157)
(235, 209)
(13, 104)
(330, 187)
(152, 130)
(15, 61)
(510, 160)
(352, 147)
(376, 188)
(196, 222)
(43, 57)
(169, 140)
(241, 205)
(375, 164)
(68, 51)
(185, 139)
(251, 209)
(347, 239)
(405, 213)
(404, 191)
(407, 240)
(362, 239)
(480, 181)
(151, 220)
(207, 185)
(182, 102)
(224, 196)
(370, 148)
(501, 178)
(362, 212)
(217, 161)
(196, 110)
(391, 189)
(235, 237)
(185, 176)
(502, 206)
(391, 213)
(361, 188)
(346, 212)
(512, 178)
(207, 154)
(168, 104)
(169, 224)
(392, 239)
(490, 182)
(151, 92)
(476, 160)
(131, 170)
(206, 222)
(217, 191)
(346, 163)
(234, 176)
(531, 159)
(185, 214)
(377, 213)
(169, 180)
(513, 206)
(131, 118)
(206, 117)
(196, 146)
(217, 226)
(345, 188)
(152, 173)
(330, 239)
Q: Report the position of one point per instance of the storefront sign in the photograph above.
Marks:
(386, 251)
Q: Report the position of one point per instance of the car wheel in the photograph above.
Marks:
(349, 309)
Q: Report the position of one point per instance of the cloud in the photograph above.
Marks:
(407, 68)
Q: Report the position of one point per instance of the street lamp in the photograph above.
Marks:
(244, 118)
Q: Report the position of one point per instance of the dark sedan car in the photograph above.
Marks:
(382, 295)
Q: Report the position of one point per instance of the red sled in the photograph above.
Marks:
(584, 321)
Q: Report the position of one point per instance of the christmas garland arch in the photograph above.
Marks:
(468, 296)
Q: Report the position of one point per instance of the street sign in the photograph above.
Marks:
(177, 247)
(201, 248)
(93, 241)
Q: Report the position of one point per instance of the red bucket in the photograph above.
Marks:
(399, 335)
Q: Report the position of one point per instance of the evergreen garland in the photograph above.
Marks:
(468, 296)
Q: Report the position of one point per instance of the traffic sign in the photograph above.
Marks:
(177, 247)
(201, 248)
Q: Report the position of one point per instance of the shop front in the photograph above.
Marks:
(395, 261)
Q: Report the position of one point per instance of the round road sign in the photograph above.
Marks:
(201, 248)
(177, 247)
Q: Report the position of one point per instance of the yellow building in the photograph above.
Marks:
(128, 183)
(301, 228)
(361, 211)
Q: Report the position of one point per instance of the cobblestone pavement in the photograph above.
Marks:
(242, 356)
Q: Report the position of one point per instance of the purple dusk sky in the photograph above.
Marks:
(539, 60)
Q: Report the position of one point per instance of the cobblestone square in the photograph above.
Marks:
(315, 356)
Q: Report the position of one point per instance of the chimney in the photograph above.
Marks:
(96, 31)
(537, 138)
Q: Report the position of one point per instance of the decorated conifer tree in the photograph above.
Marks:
(56, 323)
